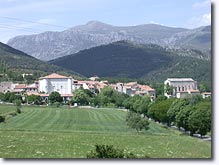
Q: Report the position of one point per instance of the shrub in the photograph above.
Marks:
(135, 121)
(55, 97)
(56, 104)
(18, 106)
(110, 105)
(2, 118)
(108, 151)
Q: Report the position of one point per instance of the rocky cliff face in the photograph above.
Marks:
(51, 45)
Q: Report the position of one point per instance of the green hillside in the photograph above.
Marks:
(148, 62)
(46, 132)
(18, 62)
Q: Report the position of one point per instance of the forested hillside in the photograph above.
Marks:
(148, 62)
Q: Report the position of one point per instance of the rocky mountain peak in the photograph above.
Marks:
(51, 45)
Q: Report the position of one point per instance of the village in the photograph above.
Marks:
(66, 86)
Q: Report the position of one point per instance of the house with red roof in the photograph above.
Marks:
(55, 83)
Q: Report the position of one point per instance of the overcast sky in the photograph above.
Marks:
(69, 13)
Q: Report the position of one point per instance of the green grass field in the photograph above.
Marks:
(46, 132)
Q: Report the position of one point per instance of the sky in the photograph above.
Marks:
(25, 17)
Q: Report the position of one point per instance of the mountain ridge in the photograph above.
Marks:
(51, 45)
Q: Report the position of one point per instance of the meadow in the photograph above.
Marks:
(49, 132)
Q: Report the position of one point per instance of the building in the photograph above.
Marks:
(77, 85)
(133, 88)
(94, 78)
(146, 90)
(24, 88)
(55, 83)
(6, 87)
(206, 95)
(180, 87)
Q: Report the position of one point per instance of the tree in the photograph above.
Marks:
(204, 86)
(183, 116)
(158, 110)
(119, 99)
(135, 121)
(55, 97)
(34, 99)
(129, 102)
(18, 106)
(141, 105)
(160, 98)
(1, 96)
(194, 99)
(175, 108)
(158, 87)
(11, 97)
(200, 119)
(81, 97)
(168, 89)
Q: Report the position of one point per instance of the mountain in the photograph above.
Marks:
(124, 59)
(199, 39)
(51, 45)
(15, 60)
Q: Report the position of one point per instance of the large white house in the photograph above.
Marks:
(55, 82)
(181, 87)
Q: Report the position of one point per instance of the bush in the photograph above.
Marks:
(110, 105)
(135, 121)
(2, 118)
(18, 106)
(108, 151)
(56, 104)
(55, 97)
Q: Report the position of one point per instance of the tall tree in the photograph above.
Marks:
(183, 116)
(175, 108)
(81, 96)
(55, 97)
(200, 119)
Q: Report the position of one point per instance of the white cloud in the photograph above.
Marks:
(203, 4)
(198, 21)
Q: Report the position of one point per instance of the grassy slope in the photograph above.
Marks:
(66, 133)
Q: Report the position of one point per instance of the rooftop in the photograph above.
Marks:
(53, 76)
(180, 79)
(20, 86)
(146, 87)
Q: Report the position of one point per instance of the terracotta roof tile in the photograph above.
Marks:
(53, 75)
(145, 87)
(20, 86)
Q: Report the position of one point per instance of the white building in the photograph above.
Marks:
(206, 95)
(55, 82)
(6, 87)
(181, 87)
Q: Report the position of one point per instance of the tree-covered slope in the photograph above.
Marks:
(123, 59)
(12, 59)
